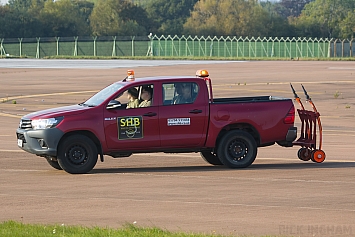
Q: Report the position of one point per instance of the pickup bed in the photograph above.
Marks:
(181, 116)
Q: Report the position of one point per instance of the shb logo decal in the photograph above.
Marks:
(130, 127)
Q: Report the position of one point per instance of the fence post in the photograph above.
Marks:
(20, 40)
(249, 46)
(218, 39)
(94, 38)
(187, 46)
(132, 45)
(57, 39)
(179, 51)
(2, 50)
(165, 46)
(329, 48)
(37, 52)
(351, 47)
(173, 48)
(150, 45)
(114, 46)
(327, 44)
(75, 45)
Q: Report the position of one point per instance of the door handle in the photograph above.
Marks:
(150, 114)
(195, 111)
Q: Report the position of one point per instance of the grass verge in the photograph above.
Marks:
(186, 58)
(17, 229)
(200, 58)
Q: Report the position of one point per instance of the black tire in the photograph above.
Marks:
(54, 163)
(237, 149)
(304, 154)
(77, 154)
(210, 157)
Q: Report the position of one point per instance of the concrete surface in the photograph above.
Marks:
(278, 195)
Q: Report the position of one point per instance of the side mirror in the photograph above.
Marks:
(113, 104)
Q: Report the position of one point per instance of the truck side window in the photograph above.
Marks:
(179, 93)
(134, 97)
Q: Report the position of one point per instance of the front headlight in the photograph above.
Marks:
(46, 123)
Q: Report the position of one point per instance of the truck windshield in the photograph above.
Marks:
(102, 95)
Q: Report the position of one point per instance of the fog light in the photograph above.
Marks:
(42, 143)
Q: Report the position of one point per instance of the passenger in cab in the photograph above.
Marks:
(132, 95)
(184, 93)
(147, 93)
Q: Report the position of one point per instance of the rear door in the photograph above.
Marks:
(183, 121)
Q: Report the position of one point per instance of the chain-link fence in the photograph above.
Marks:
(178, 46)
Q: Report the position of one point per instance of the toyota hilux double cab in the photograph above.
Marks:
(172, 115)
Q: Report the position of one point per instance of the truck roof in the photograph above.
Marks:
(158, 78)
(200, 74)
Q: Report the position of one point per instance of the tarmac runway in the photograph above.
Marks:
(95, 64)
(278, 195)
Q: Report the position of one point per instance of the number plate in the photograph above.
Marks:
(19, 142)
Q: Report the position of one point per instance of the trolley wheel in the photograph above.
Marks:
(304, 154)
(318, 156)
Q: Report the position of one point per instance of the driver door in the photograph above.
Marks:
(133, 128)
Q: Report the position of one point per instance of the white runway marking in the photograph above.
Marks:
(98, 64)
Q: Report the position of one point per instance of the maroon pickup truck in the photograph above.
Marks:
(158, 114)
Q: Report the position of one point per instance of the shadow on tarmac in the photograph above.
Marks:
(283, 166)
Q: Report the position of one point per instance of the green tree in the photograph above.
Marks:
(229, 17)
(169, 16)
(63, 18)
(275, 24)
(85, 9)
(21, 19)
(118, 17)
(7, 20)
(290, 8)
(324, 18)
(347, 26)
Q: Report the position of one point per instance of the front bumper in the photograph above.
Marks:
(42, 142)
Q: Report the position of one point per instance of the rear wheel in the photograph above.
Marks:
(77, 154)
(54, 163)
(210, 157)
(237, 149)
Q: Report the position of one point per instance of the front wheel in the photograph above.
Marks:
(237, 149)
(77, 154)
(210, 157)
(54, 163)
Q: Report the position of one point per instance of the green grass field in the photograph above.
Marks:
(17, 229)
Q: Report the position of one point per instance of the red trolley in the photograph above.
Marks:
(308, 138)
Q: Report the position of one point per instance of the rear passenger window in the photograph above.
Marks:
(180, 93)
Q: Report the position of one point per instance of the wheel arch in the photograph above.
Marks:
(88, 134)
(239, 126)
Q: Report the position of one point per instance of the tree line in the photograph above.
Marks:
(241, 18)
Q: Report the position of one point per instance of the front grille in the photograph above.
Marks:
(21, 137)
(25, 124)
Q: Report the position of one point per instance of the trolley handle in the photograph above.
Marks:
(294, 92)
(305, 92)
(297, 98)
